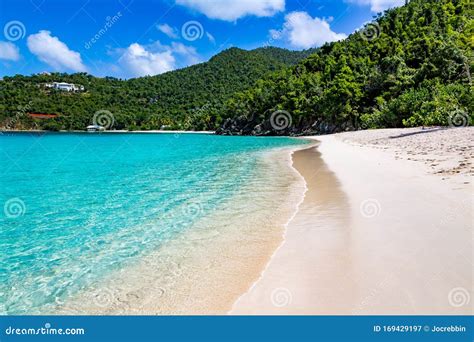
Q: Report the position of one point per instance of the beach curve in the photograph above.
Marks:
(391, 252)
(211, 265)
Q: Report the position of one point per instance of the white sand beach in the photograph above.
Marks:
(386, 227)
(373, 222)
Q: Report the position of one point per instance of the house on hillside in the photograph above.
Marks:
(65, 86)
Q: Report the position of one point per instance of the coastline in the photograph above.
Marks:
(210, 265)
(375, 234)
(109, 132)
(284, 233)
(357, 223)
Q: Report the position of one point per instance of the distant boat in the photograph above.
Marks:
(95, 128)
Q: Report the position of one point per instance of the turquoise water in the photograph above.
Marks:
(76, 207)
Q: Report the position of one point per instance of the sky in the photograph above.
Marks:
(134, 38)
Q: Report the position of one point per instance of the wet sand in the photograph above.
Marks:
(208, 267)
(310, 269)
(374, 235)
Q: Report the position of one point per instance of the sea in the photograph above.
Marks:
(77, 208)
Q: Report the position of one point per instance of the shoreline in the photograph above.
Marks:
(395, 240)
(111, 132)
(269, 292)
(283, 238)
(218, 258)
(345, 225)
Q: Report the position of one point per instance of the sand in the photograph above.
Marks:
(446, 152)
(207, 267)
(386, 227)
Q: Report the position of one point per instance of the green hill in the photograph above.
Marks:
(409, 67)
(189, 98)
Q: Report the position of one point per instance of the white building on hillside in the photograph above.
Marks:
(65, 86)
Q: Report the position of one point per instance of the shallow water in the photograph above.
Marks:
(80, 207)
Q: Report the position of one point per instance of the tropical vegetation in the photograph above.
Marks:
(411, 66)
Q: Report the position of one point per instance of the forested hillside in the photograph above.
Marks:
(190, 98)
(410, 67)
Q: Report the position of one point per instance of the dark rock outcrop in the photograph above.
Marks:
(245, 126)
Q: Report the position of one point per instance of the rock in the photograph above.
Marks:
(257, 125)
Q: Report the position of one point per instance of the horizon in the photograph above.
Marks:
(138, 38)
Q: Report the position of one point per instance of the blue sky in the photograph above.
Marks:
(132, 38)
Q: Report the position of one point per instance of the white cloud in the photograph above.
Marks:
(139, 60)
(54, 52)
(9, 51)
(303, 31)
(378, 5)
(187, 54)
(168, 30)
(231, 10)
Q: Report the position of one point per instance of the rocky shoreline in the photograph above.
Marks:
(281, 125)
